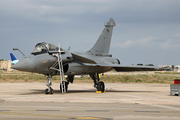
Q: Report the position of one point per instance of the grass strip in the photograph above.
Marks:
(138, 78)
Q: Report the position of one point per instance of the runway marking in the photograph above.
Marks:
(47, 110)
(96, 110)
(68, 117)
(127, 111)
(4, 110)
(149, 111)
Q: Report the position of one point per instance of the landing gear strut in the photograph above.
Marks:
(49, 90)
(99, 85)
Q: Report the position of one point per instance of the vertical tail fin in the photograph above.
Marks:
(13, 59)
(102, 45)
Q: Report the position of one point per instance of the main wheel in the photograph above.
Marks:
(101, 86)
(66, 85)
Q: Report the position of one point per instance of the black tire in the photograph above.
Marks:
(46, 91)
(51, 91)
(66, 85)
(101, 86)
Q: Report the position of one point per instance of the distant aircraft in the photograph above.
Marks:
(13, 59)
(46, 59)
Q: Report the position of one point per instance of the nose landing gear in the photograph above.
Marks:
(49, 90)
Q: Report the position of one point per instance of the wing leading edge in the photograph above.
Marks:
(88, 61)
(122, 68)
(137, 68)
(82, 58)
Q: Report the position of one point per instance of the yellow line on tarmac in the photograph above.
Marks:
(71, 117)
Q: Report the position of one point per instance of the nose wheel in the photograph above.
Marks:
(49, 90)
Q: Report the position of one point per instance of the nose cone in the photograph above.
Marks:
(22, 65)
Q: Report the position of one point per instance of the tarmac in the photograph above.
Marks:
(130, 101)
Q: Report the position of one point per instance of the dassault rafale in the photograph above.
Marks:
(50, 60)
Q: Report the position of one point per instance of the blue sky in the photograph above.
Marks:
(146, 31)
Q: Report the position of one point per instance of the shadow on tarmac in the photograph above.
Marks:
(34, 91)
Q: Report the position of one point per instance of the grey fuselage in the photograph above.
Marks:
(42, 62)
(95, 60)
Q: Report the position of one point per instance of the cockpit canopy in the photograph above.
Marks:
(44, 47)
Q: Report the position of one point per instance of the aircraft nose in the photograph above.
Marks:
(22, 65)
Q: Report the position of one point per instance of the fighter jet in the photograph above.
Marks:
(45, 59)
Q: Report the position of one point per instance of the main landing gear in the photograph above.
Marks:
(49, 90)
(63, 85)
(99, 85)
(70, 78)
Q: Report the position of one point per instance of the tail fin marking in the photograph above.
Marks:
(102, 45)
(14, 59)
